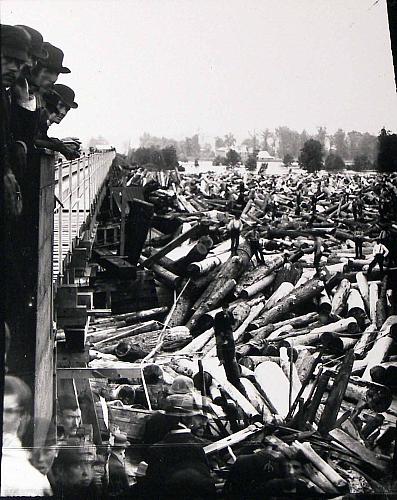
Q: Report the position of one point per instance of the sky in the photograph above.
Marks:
(174, 68)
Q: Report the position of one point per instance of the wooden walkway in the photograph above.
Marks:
(77, 187)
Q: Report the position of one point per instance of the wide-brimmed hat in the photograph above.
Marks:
(36, 44)
(65, 94)
(120, 440)
(55, 58)
(15, 42)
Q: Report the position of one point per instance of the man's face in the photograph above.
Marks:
(62, 111)
(12, 414)
(10, 70)
(70, 420)
(45, 78)
(79, 474)
(43, 458)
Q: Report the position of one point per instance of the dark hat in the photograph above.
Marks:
(36, 45)
(71, 455)
(55, 58)
(120, 440)
(15, 42)
(66, 95)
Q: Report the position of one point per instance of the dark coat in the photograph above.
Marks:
(118, 479)
(175, 460)
(224, 334)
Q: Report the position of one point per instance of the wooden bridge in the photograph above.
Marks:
(67, 198)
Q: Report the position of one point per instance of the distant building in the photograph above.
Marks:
(264, 156)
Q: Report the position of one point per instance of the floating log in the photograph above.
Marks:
(255, 288)
(198, 268)
(196, 254)
(324, 303)
(355, 307)
(381, 304)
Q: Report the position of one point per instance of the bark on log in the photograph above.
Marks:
(282, 291)
(336, 395)
(365, 340)
(363, 288)
(340, 297)
(355, 307)
(99, 340)
(321, 465)
(381, 304)
(297, 297)
(259, 286)
(381, 347)
(211, 365)
(230, 270)
(175, 338)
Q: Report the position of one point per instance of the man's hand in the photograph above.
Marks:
(69, 153)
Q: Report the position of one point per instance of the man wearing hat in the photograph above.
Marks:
(253, 238)
(73, 471)
(118, 479)
(225, 345)
(177, 465)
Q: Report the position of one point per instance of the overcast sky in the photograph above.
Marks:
(177, 67)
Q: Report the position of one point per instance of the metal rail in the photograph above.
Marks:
(77, 185)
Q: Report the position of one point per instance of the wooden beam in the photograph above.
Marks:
(171, 245)
(133, 372)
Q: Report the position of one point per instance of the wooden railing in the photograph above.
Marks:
(77, 186)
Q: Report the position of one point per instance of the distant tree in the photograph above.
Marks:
(232, 157)
(353, 143)
(321, 135)
(334, 162)
(143, 156)
(311, 156)
(288, 159)
(362, 162)
(387, 155)
(288, 141)
(249, 142)
(170, 157)
(251, 162)
(229, 140)
(303, 137)
(368, 146)
(219, 160)
(219, 142)
(339, 141)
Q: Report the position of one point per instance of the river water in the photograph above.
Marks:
(274, 168)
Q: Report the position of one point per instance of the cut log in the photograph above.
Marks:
(255, 288)
(321, 465)
(365, 341)
(297, 297)
(324, 303)
(356, 307)
(211, 365)
(363, 288)
(381, 304)
(282, 291)
(373, 299)
(198, 268)
(381, 347)
(196, 254)
(336, 395)
(275, 385)
(254, 396)
(340, 297)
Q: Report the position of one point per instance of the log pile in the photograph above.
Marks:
(316, 347)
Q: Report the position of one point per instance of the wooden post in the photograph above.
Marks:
(123, 209)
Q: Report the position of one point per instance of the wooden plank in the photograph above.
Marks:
(171, 245)
(358, 449)
(132, 372)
